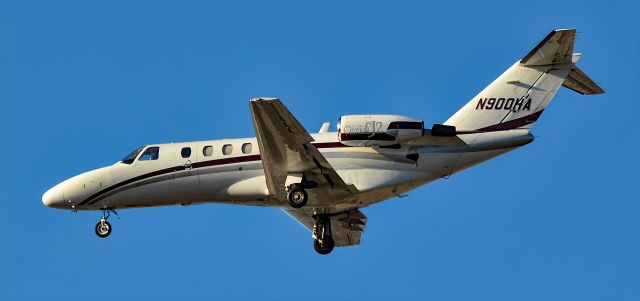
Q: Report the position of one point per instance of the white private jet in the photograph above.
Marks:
(323, 179)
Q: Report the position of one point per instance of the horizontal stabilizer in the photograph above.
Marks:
(578, 81)
(555, 48)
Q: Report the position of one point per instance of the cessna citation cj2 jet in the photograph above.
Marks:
(324, 179)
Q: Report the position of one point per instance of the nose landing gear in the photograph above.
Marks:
(103, 228)
(323, 243)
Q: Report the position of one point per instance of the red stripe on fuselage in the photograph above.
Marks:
(512, 124)
(217, 162)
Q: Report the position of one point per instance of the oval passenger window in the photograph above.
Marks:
(227, 149)
(207, 150)
(246, 148)
(185, 152)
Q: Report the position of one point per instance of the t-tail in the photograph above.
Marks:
(517, 98)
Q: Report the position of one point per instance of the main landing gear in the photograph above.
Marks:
(297, 196)
(103, 228)
(322, 241)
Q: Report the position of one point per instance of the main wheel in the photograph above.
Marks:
(325, 247)
(103, 230)
(297, 197)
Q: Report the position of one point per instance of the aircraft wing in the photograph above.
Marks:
(346, 227)
(288, 154)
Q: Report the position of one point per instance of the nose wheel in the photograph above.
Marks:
(103, 228)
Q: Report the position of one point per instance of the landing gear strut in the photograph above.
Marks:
(322, 241)
(103, 228)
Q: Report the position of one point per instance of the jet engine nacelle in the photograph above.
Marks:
(377, 130)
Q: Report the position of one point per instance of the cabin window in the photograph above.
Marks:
(151, 153)
(185, 152)
(227, 149)
(207, 151)
(246, 148)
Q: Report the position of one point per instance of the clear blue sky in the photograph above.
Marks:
(84, 82)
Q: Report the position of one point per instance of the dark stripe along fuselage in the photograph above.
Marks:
(252, 158)
(216, 162)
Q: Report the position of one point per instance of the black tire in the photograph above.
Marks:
(103, 232)
(326, 247)
(297, 197)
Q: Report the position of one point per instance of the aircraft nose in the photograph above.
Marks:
(53, 197)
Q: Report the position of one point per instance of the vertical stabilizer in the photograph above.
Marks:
(518, 97)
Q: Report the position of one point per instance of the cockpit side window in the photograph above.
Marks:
(128, 159)
(151, 153)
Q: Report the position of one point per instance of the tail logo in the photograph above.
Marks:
(513, 104)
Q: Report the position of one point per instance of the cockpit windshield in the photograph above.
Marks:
(132, 156)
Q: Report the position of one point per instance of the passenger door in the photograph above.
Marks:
(185, 177)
